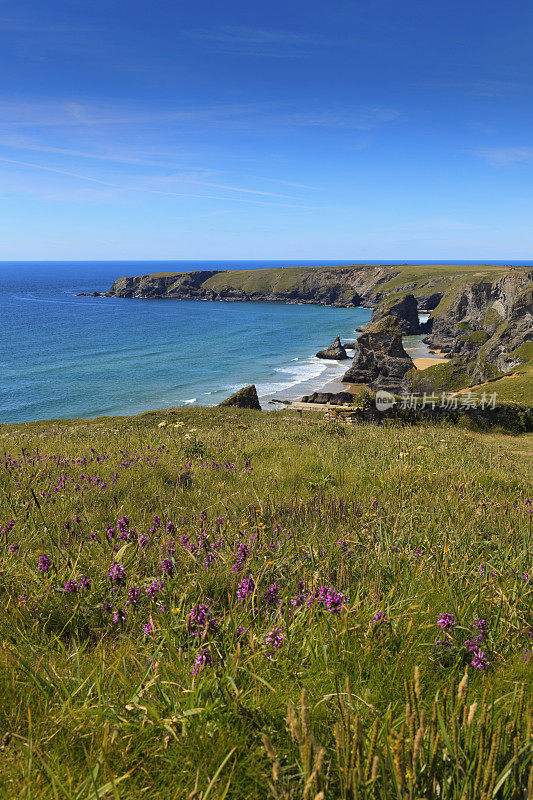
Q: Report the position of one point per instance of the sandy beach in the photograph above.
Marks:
(425, 361)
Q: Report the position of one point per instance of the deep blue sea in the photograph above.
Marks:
(63, 356)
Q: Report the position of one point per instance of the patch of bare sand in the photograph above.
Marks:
(424, 363)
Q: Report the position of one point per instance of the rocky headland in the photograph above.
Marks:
(480, 316)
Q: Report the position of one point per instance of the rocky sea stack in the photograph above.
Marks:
(244, 398)
(380, 359)
(335, 351)
(405, 311)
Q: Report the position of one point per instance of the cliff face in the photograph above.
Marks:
(482, 314)
(380, 359)
(185, 284)
(404, 309)
(351, 286)
(510, 335)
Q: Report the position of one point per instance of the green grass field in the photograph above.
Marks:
(219, 603)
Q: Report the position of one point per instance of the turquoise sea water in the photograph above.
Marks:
(63, 356)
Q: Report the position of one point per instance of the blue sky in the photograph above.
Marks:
(234, 130)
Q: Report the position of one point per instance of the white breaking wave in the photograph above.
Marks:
(189, 402)
(296, 374)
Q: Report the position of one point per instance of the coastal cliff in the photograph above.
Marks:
(486, 328)
(481, 316)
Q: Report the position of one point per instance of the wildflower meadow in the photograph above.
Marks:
(218, 603)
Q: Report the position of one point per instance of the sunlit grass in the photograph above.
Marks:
(302, 556)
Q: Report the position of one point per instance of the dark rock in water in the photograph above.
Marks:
(244, 398)
(333, 398)
(380, 359)
(404, 310)
(335, 351)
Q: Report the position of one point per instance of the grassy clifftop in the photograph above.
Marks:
(229, 600)
(288, 279)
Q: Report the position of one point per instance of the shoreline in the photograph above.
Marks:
(420, 353)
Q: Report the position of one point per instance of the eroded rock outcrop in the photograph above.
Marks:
(333, 398)
(467, 317)
(502, 349)
(484, 322)
(404, 309)
(244, 398)
(380, 359)
(335, 351)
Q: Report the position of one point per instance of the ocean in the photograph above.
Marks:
(63, 356)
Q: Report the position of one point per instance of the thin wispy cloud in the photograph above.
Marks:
(483, 87)
(45, 168)
(143, 187)
(72, 114)
(18, 144)
(246, 191)
(246, 41)
(361, 119)
(494, 87)
(231, 199)
(505, 156)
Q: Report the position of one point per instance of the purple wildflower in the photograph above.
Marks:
(240, 632)
(245, 589)
(202, 660)
(344, 547)
(332, 599)
(153, 590)
(116, 573)
(446, 622)
(201, 619)
(134, 594)
(44, 563)
(380, 618)
(479, 659)
(149, 628)
(271, 595)
(242, 555)
(119, 616)
(167, 567)
(70, 586)
(273, 641)
(300, 598)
